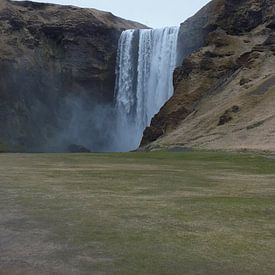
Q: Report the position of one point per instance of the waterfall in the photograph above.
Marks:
(145, 64)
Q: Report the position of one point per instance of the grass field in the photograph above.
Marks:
(137, 213)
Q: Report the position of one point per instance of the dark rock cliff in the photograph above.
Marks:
(49, 55)
(225, 46)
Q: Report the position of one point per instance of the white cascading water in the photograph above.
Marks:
(145, 64)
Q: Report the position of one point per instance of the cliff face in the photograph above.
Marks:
(51, 55)
(225, 88)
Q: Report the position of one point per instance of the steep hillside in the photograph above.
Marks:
(56, 62)
(225, 89)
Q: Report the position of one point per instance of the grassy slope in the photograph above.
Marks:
(137, 213)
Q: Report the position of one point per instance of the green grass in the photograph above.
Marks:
(138, 213)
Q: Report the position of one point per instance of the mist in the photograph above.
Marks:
(84, 122)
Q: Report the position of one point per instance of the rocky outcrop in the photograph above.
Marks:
(225, 83)
(49, 55)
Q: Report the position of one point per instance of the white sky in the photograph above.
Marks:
(152, 13)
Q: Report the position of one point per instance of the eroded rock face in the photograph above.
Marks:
(49, 53)
(228, 52)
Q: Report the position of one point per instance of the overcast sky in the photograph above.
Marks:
(152, 13)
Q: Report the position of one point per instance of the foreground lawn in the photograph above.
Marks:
(137, 213)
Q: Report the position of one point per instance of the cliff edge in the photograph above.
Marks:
(225, 89)
(49, 53)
